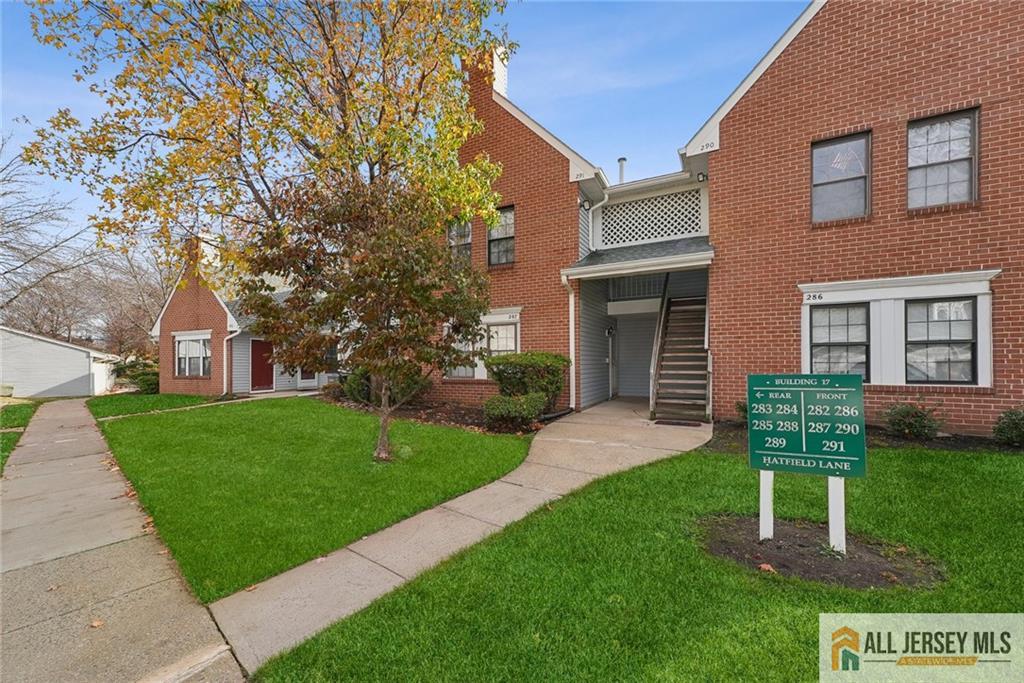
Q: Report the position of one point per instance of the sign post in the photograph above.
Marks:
(810, 424)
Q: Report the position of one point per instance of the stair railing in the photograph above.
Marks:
(659, 343)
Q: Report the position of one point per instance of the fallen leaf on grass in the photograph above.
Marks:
(765, 567)
(890, 577)
(97, 623)
(901, 549)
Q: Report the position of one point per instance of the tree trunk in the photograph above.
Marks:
(383, 450)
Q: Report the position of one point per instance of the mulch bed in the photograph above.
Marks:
(731, 437)
(801, 549)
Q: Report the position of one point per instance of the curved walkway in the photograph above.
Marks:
(88, 594)
(285, 610)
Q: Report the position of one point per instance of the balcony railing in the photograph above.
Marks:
(654, 218)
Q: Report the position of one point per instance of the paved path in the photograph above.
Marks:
(287, 609)
(87, 594)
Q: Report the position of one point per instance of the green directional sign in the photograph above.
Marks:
(813, 424)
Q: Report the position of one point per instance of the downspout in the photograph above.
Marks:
(572, 342)
(226, 360)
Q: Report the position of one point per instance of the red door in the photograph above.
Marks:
(261, 369)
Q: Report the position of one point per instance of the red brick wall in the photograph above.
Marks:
(869, 65)
(534, 179)
(193, 307)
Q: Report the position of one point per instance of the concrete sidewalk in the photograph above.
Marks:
(287, 609)
(87, 594)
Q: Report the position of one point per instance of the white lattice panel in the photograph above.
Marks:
(651, 219)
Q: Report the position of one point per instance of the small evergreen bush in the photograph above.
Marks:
(358, 388)
(148, 382)
(513, 413)
(1009, 427)
(741, 410)
(333, 391)
(912, 421)
(529, 372)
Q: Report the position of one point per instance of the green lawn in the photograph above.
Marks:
(242, 492)
(612, 583)
(17, 414)
(132, 404)
(8, 440)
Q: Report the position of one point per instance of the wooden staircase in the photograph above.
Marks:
(681, 390)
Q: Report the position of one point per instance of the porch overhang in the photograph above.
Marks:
(657, 257)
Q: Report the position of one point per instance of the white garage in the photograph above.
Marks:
(35, 366)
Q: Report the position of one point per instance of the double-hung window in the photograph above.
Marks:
(840, 178)
(942, 160)
(501, 239)
(839, 340)
(192, 357)
(941, 341)
(460, 240)
(502, 339)
(463, 371)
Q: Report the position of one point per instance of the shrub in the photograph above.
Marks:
(912, 421)
(333, 391)
(1009, 427)
(128, 369)
(528, 373)
(148, 382)
(358, 388)
(741, 410)
(513, 413)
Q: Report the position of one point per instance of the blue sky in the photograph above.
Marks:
(611, 79)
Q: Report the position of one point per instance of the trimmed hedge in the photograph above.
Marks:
(513, 413)
(528, 373)
(1009, 427)
(912, 421)
(358, 387)
(148, 382)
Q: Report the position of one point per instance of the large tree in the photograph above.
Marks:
(370, 277)
(37, 241)
(262, 122)
(214, 108)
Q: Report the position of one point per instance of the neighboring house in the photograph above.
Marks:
(207, 347)
(35, 366)
(866, 208)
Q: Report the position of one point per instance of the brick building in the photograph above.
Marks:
(851, 207)
(866, 211)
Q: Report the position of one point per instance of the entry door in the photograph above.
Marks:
(307, 379)
(261, 368)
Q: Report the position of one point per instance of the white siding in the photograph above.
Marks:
(284, 381)
(240, 363)
(593, 342)
(35, 367)
(635, 345)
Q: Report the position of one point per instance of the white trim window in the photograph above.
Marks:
(839, 340)
(927, 329)
(192, 354)
(500, 330)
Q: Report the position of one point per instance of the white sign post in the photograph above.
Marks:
(837, 514)
(767, 507)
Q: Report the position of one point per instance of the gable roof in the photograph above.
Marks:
(706, 139)
(580, 170)
(232, 323)
(96, 353)
(244, 320)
